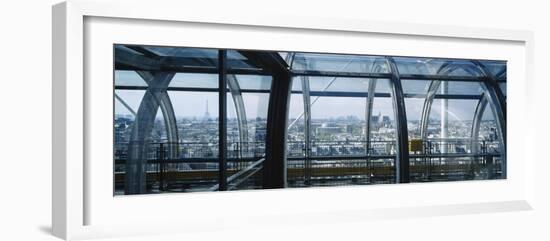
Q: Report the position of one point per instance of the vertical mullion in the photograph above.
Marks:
(222, 119)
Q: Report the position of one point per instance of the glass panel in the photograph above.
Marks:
(197, 124)
(414, 107)
(284, 55)
(127, 49)
(195, 80)
(421, 66)
(339, 84)
(416, 87)
(488, 128)
(446, 153)
(432, 66)
(211, 54)
(488, 148)
(337, 121)
(459, 115)
(502, 87)
(246, 130)
(296, 126)
(254, 82)
(495, 67)
(382, 138)
(419, 88)
(461, 88)
(128, 78)
(129, 102)
(340, 63)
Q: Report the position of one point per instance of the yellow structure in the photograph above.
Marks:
(415, 145)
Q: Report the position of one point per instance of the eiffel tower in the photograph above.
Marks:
(206, 116)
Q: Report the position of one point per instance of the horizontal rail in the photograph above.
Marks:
(239, 173)
(295, 172)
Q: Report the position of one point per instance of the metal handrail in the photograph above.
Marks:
(238, 174)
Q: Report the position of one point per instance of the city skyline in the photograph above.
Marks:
(325, 142)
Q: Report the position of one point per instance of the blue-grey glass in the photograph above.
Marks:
(418, 87)
(195, 80)
(235, 60)
(297, 84)
(128, 78)
(421, 66)
(494, 67)
(502, 87)
(462, 88)
(340, 63)
(184, 52)
(436, 66)
(126, 49)
(338, 84)
(254, 82)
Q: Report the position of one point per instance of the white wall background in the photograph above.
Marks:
(25, 119)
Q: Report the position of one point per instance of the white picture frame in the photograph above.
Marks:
(83, 209)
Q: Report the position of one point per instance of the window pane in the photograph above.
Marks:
(340, 63)
(195, 80)
(432, 66)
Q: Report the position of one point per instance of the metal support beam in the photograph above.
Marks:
(430, 96)
(497, 102)
(168, 114)
(402, 133)
(307, 127)
(444, 118)
(135, 178)
(476, 124)
(222, 119)
(237, 97)
(274, 169)
(126, 60)
(128, 107)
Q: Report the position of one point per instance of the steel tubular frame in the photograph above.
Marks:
(402, 163)
(222, 120)
(492, 96)
(476, 123)
(497, 101)
(168, 114)
(237, 97)
(274, 166)
(141, 130)
(274, 170)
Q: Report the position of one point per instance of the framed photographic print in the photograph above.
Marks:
(179, 121)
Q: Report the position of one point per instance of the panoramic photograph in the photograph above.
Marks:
(201, 119)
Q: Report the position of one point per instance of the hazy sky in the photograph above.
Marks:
(193, 104)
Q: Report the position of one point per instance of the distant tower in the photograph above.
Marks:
(206, 114)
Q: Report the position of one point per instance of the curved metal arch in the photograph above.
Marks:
(168, 113)
(476, 124)
(402, 133)
(500, 74)
(497, 102)
(154, 97)
(444, 69)
(492, 94)
(235, 90)
(376, 67)
(430, 96)
(307, 121)
(290, 59)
